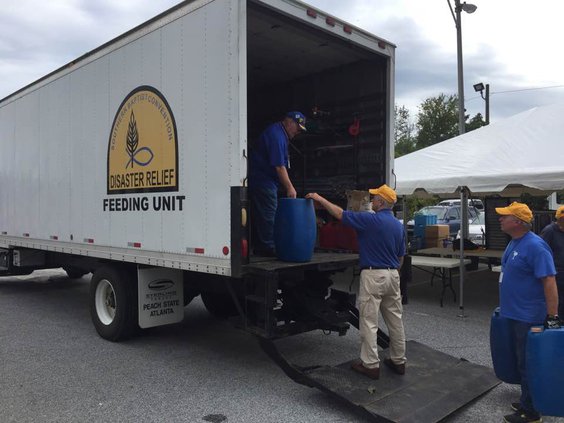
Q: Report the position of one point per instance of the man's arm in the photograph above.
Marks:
(551, 295)
(284, 179)
(333, 209)
(400, 262)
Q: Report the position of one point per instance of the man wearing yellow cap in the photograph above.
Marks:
(381, 240)
(527, 294)
(553, 234)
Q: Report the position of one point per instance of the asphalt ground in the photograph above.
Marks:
(55, 368)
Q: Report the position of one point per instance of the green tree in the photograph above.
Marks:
(476, 122)
(437, 120)
(404, 139)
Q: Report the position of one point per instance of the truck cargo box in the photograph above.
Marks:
(137, 151)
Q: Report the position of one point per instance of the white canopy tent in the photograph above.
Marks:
(523, 153)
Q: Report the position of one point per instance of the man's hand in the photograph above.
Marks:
(333, 209)
(291, 192)
(552, 322)
(314, 196)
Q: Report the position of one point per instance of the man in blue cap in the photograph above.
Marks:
(268, 170)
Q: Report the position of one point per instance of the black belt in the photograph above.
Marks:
(376, 268)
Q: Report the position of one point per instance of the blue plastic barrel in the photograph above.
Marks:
(545, 369)
(503, 350)
(425, 219)
(421, 221)
(295, 229)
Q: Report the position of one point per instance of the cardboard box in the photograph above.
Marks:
(436, 231)
(358, 200)
(434, 242)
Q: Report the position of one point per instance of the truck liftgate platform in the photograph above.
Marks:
(434, 386)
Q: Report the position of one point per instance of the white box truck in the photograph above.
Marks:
(130, 162)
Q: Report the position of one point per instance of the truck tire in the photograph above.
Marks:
(219, 305)
(190, 292)
(113, 303)
(74, 272)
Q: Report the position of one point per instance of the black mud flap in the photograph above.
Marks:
(434, 386)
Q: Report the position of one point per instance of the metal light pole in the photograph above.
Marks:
(468, 8)
(479, 87)
(456, 15)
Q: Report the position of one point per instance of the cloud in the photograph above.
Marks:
(39, 37)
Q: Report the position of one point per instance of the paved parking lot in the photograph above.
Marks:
(55, 368)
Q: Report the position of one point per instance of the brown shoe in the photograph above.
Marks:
(371, 373)
(397, 368)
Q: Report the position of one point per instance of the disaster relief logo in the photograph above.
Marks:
(143, 154)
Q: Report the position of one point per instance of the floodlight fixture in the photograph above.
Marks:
(468, 7)
(479, 87)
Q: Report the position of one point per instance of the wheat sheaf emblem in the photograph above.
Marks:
(132, 144)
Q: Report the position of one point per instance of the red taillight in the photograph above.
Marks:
(244, 248)
(347, 29)
(330, 21)
(225, 250)
(382, 44)
(311, 13)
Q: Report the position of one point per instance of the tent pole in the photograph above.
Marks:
(463, 236)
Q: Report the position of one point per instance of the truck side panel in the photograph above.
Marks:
(55, 138)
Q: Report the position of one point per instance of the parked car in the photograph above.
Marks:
(477, 230)
(446, 215)
(475, 202)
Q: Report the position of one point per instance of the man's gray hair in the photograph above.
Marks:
(527, 225)
(387, 205)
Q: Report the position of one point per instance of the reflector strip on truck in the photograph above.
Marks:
(195, 250)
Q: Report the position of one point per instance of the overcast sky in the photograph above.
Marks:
(514, 45)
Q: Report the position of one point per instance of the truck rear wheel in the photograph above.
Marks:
(113, 303)
(219, 305)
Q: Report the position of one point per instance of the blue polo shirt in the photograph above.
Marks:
(381, 238)
(270, 150)
(521, 292)
(554, 237)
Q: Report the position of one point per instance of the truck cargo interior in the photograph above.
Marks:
(340, 87)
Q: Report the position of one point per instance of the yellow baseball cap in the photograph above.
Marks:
(519, 210)
(388, 194)
(559, 212)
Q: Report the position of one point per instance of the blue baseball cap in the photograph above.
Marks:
(299, 118)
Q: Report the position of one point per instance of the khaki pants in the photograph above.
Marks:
(380, 291)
